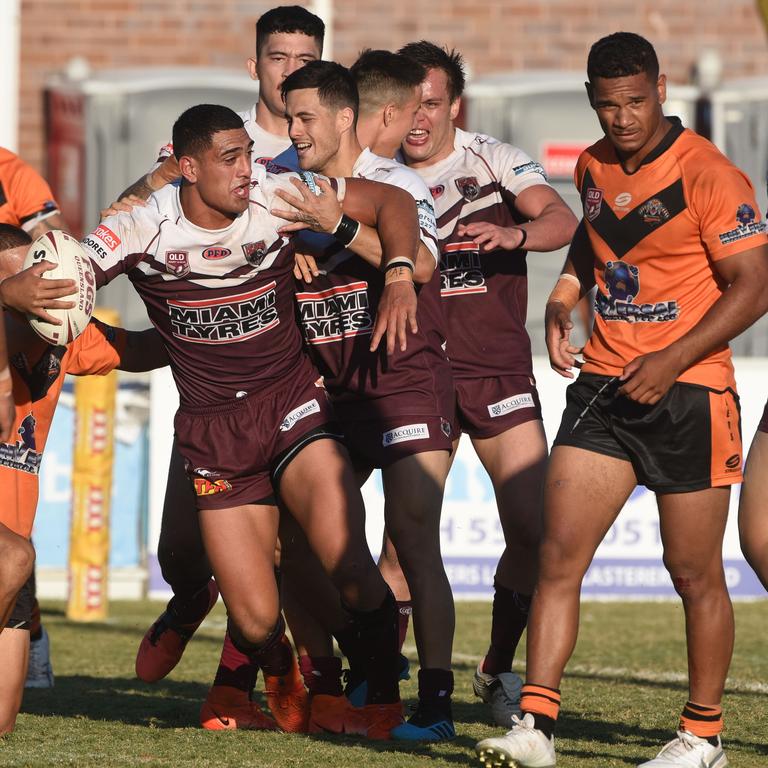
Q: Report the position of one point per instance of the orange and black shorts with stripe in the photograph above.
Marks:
(688, 441)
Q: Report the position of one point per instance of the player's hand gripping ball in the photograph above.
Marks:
(71, 262)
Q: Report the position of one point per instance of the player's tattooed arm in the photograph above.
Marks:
(648, 377)
(165, 173)
(549, 224)
(144, 351)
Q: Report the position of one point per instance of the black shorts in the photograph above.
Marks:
(688, 441)
(21, 615)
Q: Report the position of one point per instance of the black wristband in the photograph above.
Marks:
(525, 237)
(347, 230)
(395, 263)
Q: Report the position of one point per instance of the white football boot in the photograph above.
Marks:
(522, 747)
(501, 691)
(688, 751)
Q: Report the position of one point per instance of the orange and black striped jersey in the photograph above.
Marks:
(25, 197)
(656, 234)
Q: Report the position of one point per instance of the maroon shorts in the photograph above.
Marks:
(234, 451)
(763, 425)
(486, 407)
(378, 443)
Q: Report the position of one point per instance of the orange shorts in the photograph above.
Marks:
(18, 500)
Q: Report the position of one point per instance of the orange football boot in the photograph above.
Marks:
(335, 714)
(287, 697)
(381, 719)
(163, 644)
(227, 709)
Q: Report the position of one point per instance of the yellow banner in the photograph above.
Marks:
(762, 6)
(91, 491)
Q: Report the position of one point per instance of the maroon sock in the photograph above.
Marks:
(235, 668)
(510, 616)
(404, 611)
(322, 674)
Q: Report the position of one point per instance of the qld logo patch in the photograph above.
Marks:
(297, 414)
(177, 263)
(593, 202)
(405, 434)
(469, 188)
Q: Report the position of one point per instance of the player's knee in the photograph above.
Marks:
(17, 561)
(558, 563)
(251, 628)
(692, 582)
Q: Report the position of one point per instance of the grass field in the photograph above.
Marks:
(622, 694)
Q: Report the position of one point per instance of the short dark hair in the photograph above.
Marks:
(288, 19)
(12, 237)
(335, 87)
(431, 56)
(383, 77)
(194, 130)
(622, 54)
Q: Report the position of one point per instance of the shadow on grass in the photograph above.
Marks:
(169, 705)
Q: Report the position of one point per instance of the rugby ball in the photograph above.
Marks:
(72, 263)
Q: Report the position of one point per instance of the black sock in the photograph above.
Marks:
(435, 689)
(375, 642)
(273, 656)
(510, 617)
(189, 607)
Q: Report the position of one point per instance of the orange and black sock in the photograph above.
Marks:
(235, 668)
(543, 703)
(509, 619)
(702, 720)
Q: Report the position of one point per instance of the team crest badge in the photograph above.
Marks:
(593, 202)
(436, 191)
(469, 187)
(622, 280)
(653, 211)
(177, 262)
(745, 214)
(255, 252)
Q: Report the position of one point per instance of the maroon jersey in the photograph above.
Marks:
(337, 313)
(485, 295)
(223, 300)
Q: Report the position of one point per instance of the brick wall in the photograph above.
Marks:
(497, 35)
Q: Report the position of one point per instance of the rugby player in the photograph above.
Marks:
(216, 277)
(492, 203)
(26, 201)
(753, 529)
(37, 375)
(287, 37)
(673, 241)
(395, 409)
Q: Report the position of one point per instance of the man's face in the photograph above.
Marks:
(314, 129)
(629, 110)
(281, 54)
(222, 173)
(401, 122)
(431, 137)
(12, 261)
